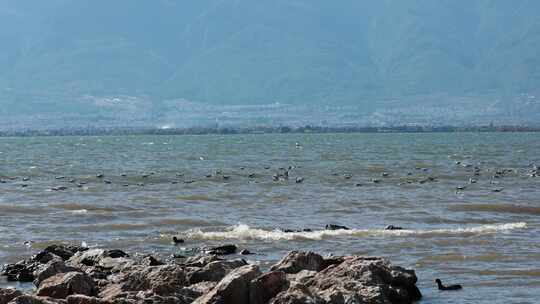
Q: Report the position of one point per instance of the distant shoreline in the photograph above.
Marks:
(119, 131)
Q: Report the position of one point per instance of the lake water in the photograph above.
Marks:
(220, 189)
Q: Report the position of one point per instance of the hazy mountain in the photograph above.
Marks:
(59, 55)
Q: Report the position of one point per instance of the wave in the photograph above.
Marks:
(244, 232)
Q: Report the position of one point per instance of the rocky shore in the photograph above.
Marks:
(77, 275)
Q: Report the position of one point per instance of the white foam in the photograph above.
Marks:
(80, 211)
(244, 232)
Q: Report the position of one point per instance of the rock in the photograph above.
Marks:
(162, 280)
(25, 271)
(297, 294)
(86, 258)
(115, 253)
(64, 252)
(333, 260)
(335, 227)
(201, 261)
(223, 250)
(296, 261)
(301, 277)
(365, 280)
(6, 295)
(94, 256)
(21, 271)
(46, 257)
(214, 271)
(28, 299)
(108, 263)
(64, 284)
(234, 288)
(267, 286)
(50, 269)
(150, 261)
(245, 252)
(81, 299)
(192, 292)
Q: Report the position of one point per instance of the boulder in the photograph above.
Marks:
(114, 264)
(369, 280)
(81, 299)
(46, 257)
(87, 258)
(234, 288)
(267, 286)
(301, 277)
(296, 261)
(22, 271)
(64, 252)
(151, 261)
(214, 271)
(223, 250)
(50, 269)
(297, 294)
(8, 294)
(162, 280)
(194, 291)
(29, 299)
(64, 284)
(94, 257)
(201, 260)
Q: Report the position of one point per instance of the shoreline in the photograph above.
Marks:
(67, 274)
(128, 131)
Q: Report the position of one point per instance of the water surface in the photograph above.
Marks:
(220, 189)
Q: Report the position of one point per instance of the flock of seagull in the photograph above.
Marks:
(281, 175)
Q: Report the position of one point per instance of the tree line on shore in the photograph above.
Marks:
(95, 131)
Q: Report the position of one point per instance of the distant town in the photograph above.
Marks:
(260, 130)
(117, 115)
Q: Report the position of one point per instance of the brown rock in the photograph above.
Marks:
(365, 280)
(62, 251)
(297, 294)
(234, 288)
(162, 280)
(201, 261)
(214, 271)
(296, 261)
(64, 284)
(50, 269)
(301, 277)
(151, 261)
(94, 257)
(81, 299)
(267, 286)
(194, 291)
(28, 299)
(8, 294)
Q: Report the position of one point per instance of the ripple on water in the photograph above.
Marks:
(496, 208)
(90, 207)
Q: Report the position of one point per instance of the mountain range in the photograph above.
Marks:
(60, 56)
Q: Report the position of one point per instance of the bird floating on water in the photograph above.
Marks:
(449, 287)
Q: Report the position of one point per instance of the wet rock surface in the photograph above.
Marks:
(74, 275)
(6, 295)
